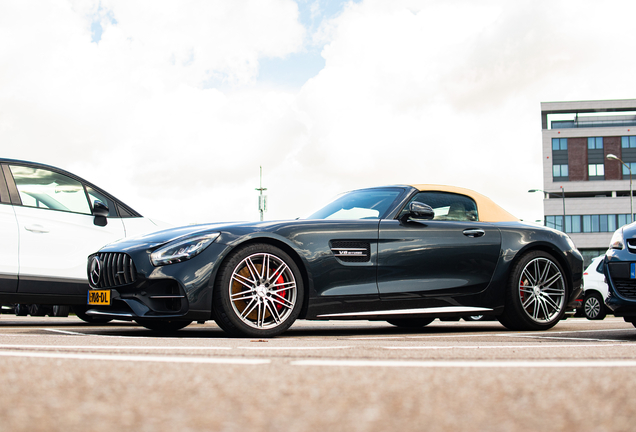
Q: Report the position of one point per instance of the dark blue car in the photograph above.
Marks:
(620, 273)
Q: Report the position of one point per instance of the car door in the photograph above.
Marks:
(452, 254)
(57, 231)
(8, 242)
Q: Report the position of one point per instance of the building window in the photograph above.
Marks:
(596, 170)
(573, 224)
(632, 166)
(559, 143)
(587, 223)
(623, 219)
(595, 143)
(628, 142)
(559, 171)
(555, 222)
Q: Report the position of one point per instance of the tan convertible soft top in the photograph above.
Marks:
(487, 210)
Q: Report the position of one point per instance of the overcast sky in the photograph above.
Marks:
(172, 106)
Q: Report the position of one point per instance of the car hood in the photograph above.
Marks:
(158, 238)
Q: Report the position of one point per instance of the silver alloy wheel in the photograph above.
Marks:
(592, 307)
(542, 290)
(263, 291)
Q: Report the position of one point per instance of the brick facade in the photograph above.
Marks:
(613, 168)
(577, 159)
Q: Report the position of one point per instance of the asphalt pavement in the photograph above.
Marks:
(61, 374)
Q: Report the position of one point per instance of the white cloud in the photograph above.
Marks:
(167, 113)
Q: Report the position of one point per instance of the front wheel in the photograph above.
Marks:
(536, 293)
(258, 292)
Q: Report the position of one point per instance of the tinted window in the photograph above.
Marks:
(360, 204)
(47, 189)
(448, 206)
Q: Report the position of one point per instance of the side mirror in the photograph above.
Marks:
(100, 211)
(418, 210)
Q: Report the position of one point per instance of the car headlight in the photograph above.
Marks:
(617, 240)
(182, 249)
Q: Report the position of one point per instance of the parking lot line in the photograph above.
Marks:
(506, 346)
(260, 348)
(468, 364)
(113, 347)
(132, 358)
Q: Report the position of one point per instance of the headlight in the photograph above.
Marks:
(182, 249)
(617, 240)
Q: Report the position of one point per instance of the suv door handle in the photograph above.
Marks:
(474, 232)
(36, 228)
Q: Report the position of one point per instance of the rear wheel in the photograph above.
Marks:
(536, 293)
(410, 322)
(37, 310)
(258, 293)
(163, 326)
(593, 306)
(60, 311)
(21, 309)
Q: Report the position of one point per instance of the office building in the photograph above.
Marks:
(589, 148)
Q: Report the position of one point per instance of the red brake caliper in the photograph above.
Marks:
(281, 281)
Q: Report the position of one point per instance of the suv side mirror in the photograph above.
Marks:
(100, 211)
(418, 210)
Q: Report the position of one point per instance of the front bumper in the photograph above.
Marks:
(620, 274)
(176, 291)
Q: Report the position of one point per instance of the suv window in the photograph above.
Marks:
(47, 189)
(447, 206)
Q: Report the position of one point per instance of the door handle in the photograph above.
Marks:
(474, 232)
(36, 228)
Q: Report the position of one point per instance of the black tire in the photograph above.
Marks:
(258, 292)
(60, 311)
(166, 326)
(80, 311)
(38, 310)
(594, 306)
(21, 309)
(410, 323)
(536, 293)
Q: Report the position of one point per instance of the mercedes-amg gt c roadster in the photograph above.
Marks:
(401, 254)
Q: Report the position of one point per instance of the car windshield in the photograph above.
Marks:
(359, 204)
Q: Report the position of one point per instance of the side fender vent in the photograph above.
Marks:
(351, 251)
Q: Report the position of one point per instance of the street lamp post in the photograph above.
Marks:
(631, 191)
(552, 193)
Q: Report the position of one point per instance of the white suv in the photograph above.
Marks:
(50, 221)
(596, 290)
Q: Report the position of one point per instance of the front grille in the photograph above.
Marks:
(116, 269)
(351, 251)
(626, 288)
(631, 245)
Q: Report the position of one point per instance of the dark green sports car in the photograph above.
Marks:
(402, 254)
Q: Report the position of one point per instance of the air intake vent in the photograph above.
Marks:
(116, 269)
(351, 251)
(626, 288)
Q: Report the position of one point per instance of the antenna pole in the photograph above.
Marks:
(262, 199)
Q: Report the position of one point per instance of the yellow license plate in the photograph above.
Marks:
(99, 297)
